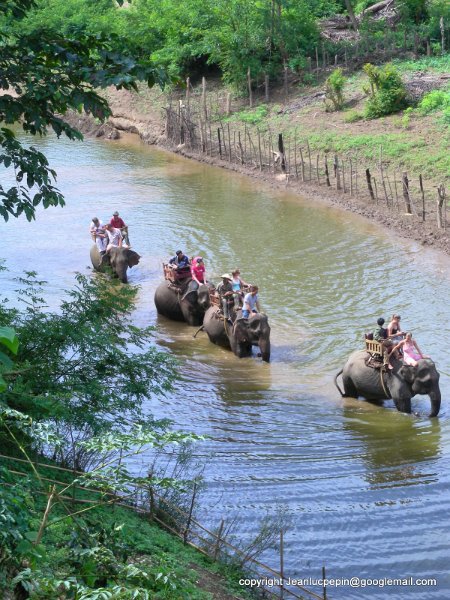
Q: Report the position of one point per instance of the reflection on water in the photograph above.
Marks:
(395, 448)
(367, 487)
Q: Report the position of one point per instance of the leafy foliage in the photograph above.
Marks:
(433, 101)
(387, 91)
(334, 89)
(43, 74)
(86, 367)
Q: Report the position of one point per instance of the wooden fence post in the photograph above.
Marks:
(336, 172)
(441, 26)
(422, 191)
(250, 92)
(327, 173)
(282, 154)
(191, 508)
(406, 196)
(440, 204)
(205, 110)
(259, 151)
(217, 544)
(369, 184)
(285, 83)
(220, 143)
(309, 160)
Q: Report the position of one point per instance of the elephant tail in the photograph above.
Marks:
(336, 383)
(198, 331)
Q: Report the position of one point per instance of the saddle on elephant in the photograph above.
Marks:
(375, 351)
(176, 275)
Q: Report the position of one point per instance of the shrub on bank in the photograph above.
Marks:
(387, 92)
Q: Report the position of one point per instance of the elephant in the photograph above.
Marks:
(400, 383)
(119, 259)
(241, 335)
(186, 302)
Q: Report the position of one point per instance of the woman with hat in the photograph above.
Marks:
(238, 283)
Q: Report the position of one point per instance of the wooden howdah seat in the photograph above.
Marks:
(175, 275)
(375, 351)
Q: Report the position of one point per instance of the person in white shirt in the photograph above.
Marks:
(98, 234)
(115, 239)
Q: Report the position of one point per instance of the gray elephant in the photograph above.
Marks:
(182, 302)
(240, 336)
(119, 259)
(401, 383)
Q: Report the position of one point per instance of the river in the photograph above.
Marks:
(367, 487)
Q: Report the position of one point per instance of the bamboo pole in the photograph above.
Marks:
(309, 160)
(191, 508)
(327, 173)
(406, 196)
(249, 84)
(422, 191)
(259, 151)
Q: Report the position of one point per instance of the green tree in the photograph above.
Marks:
(43, 74)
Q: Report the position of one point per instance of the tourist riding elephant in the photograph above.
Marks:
(119, 259)
(187, 302)
(401, 383)
(240, 336)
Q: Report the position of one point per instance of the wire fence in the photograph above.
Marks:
(152, 505)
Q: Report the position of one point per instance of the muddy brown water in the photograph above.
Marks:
(367, 487)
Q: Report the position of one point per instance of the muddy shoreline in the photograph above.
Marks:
(150, 129)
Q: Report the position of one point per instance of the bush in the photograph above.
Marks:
(334, 90)
(352, 116)
(253, 117)
(434, 100)
(387, 91)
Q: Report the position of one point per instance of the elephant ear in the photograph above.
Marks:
(240, 330)
(133, 258)
(408, 373)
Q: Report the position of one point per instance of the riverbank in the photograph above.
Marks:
(407, 142)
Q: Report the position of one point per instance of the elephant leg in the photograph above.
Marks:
(349, 387)
(403, 404)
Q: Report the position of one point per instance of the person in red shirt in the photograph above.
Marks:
(118, 223)
(198, 270)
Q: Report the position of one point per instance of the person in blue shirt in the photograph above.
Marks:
(251, 302)
(179, 261)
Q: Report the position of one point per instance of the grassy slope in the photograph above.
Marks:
(414, 142)
(185, 572)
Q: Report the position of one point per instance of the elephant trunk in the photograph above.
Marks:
(435, 398)
(122, 274)
(264, 346)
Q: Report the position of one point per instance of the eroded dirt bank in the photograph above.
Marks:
(149, 125)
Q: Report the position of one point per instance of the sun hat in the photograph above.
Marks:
(226, 276)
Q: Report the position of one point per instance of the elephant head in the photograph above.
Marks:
(246, 333)
(121, 259)
(422, 379)
(194, 302)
